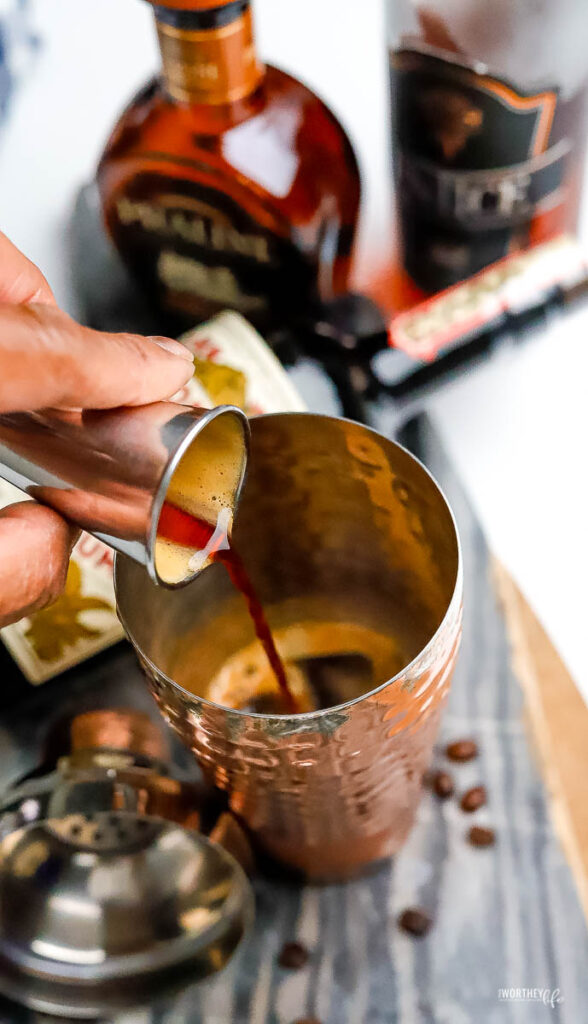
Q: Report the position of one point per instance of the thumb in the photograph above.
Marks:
(35, 545)
(47, 359)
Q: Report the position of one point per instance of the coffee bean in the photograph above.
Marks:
(307, 1020)
(293, 956)
(443, 785)
(462, 750)
(479, 836)
(473, 798)
(415, 921)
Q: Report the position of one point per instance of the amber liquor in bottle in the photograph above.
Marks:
(227, 183)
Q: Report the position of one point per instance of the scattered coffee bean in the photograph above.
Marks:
(443, 785)
(415, 921)
(293, 956)
(473, 798)
(462, 750)
(480, 836)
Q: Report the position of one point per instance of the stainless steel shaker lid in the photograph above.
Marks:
(98, 911)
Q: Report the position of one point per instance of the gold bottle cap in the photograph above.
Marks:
(120, 729)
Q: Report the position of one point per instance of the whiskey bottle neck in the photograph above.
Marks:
(208, 56)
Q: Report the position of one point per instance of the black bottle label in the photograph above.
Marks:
(198, 252)
(476, 160)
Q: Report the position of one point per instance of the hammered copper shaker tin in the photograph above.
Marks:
(354, 551)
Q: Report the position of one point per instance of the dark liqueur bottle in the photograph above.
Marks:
(489, 106)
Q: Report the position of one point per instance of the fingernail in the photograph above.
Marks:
(175, 347)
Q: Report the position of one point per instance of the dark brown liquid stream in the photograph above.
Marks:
(181, 528)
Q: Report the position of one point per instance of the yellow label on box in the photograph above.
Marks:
(234, 366)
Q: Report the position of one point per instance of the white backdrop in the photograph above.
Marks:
(517, 429)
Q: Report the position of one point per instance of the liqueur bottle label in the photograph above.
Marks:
(477, 159)
(512, 285)
(202, 252)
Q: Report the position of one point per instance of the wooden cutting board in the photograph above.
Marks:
(558, 721)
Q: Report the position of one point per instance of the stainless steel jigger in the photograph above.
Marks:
(111, 472)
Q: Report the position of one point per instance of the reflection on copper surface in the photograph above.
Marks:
(119, 729)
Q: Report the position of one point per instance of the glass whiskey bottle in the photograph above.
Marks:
(227, 183)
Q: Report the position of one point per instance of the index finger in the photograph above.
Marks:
(47, 359)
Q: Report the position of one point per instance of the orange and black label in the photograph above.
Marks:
(476, 159)
(212, 65)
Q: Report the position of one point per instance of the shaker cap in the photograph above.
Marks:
(101, 911)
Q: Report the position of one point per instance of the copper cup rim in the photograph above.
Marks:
(421, 656)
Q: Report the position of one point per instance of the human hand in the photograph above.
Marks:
(47, 360)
